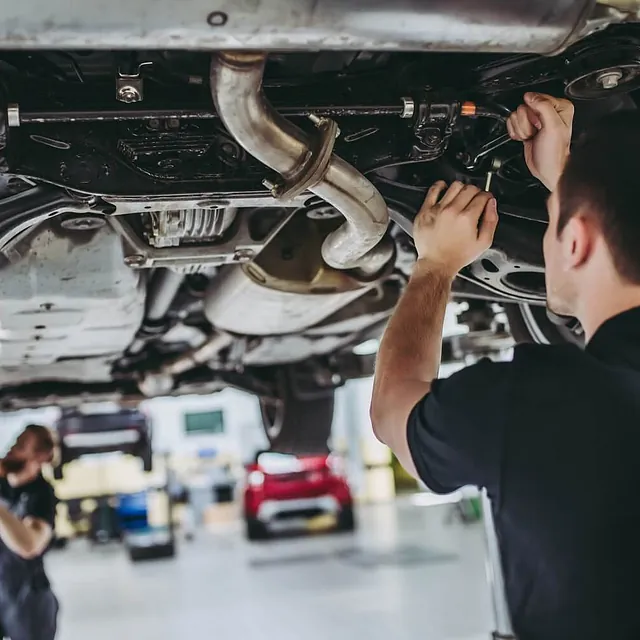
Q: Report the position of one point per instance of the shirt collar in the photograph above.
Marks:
(618, 339)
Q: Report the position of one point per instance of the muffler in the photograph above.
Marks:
(304, 163)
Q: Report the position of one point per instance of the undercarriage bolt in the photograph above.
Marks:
(270, 185)
(609, 79)
(243, 255)
(128, 94)
(318, 122)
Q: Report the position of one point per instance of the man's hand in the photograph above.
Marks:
(544, 124)
(452, 231)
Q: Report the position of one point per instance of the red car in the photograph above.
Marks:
(284, 491)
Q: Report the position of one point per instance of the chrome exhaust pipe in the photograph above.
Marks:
(236, 87)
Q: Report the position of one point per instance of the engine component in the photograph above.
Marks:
(161, 382)
(243, 246)
(532, 26)
(174, 227)
(236, 86)
(238, 302)
(288, 287)
(69, 304)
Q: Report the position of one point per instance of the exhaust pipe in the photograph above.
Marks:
(236, 87)
(162, 381)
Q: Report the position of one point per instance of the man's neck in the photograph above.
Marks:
(22, 478)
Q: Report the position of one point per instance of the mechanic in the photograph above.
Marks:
(553, 435)
(28, 607)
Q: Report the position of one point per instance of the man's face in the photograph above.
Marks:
(559, 283)
(21, 453)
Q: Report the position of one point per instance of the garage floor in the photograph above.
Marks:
(406, 574)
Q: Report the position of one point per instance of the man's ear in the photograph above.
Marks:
(577, 240)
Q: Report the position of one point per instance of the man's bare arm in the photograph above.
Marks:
(27, 538)
(409, 357)
(450, 232)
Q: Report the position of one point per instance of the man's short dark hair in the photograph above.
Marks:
(45, 442)
(602, 178)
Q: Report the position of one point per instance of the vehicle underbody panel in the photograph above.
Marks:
(176, 219)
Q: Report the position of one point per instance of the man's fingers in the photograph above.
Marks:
(451, 194)
(511, 130)
(528, 121)
(563, 106)
(464, 198)
(547, 108)
(478, 203)
(433, 195)
(523, 123)
(488, 223)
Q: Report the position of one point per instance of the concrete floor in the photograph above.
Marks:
(406, 574)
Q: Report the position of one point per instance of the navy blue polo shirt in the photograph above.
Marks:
(554, 437)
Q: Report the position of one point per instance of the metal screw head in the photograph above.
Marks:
(173, 123)
(243, 255)
(128, 94)
(134, 260)
(609, 79)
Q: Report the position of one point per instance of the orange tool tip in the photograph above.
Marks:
(468, 109)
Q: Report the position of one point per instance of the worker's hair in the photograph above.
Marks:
(602, 179)
(45, 442)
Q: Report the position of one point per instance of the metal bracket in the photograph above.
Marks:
(239, 249)
(433, 126)
(130, 87)
(312, 170)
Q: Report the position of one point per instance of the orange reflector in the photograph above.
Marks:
(468, 109)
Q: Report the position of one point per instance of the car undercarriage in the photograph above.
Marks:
(177, 219)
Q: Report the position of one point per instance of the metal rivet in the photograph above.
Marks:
(217, 19)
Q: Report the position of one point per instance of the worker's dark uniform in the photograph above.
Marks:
(28, 608)
(554, 436)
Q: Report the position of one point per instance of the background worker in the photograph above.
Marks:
(28, 607)
(553, 435)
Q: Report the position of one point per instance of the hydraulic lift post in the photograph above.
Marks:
(502, 629)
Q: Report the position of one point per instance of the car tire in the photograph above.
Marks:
(346, 519)
(256, 530)
(63, 458)
(531, 324)
(145, 453)
(296, 423)
(155, 552)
